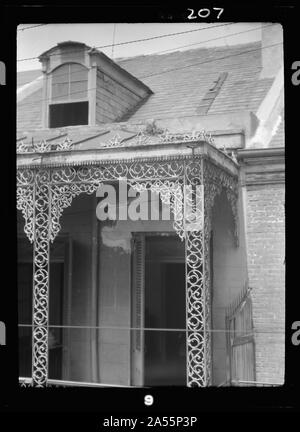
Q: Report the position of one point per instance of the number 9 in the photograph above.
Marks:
(148, 400)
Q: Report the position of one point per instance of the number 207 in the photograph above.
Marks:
(204, 13)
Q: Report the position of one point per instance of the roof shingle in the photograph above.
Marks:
(179, 81)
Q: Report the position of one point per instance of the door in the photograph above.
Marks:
(158, 311)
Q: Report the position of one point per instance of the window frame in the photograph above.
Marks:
(67, 99)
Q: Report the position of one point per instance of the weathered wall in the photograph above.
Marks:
(263, 182)
(114, 311)
(114, 296)
(112, 99)
(266, 239)
(77, 222)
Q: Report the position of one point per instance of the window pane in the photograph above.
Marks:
(78, 90)
(60, 92)
(61, 74)
(69, 78)
(69, 114)
(78, 72)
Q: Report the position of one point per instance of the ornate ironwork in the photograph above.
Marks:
(215, 179)
(167, 137)
(171, 194)
(25, 382)
(188, 185)
(44, 146)
(23, 148)
(42, 200)
(66, 144)
(116, 141)
(25, 199)
(141, 138)
(197, 322)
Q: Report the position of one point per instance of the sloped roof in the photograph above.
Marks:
(27, 76)
(180, 92)
(180, 81)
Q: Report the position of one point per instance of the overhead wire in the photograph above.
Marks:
(176, 48)
(136, 40)
(162, 72)
(31, 27)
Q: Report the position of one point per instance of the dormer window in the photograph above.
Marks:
(69, 104)
(82, 86)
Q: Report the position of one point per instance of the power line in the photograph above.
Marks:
(137, 40)
(274, 330)
(183, 46)
(209, 40)
(31, 27)
(209, 61)
(163, 72)
(113, 41)
(76, 72)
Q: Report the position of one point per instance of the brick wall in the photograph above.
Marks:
(266, 254)
(113, 100)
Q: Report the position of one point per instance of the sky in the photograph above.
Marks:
(31, 42)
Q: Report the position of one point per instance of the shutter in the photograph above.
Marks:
(138, 288)
(241, 341)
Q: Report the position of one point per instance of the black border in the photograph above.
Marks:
(171, 401)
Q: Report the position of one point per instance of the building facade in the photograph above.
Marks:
(150, 196)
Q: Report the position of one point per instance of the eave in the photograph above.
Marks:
(262, 166)
(114, 155)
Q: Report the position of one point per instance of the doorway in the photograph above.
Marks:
(161, 292)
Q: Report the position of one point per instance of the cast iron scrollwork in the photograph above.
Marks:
(188, 185)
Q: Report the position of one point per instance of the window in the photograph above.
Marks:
(69, 114)
(69, 82)
(69, 96)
